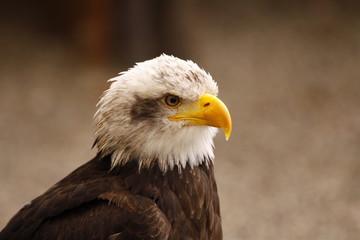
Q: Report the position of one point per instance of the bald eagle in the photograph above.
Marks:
(153, 175)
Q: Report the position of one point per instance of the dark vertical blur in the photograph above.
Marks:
(102, 31)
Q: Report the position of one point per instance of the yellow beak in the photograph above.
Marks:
(209, 111)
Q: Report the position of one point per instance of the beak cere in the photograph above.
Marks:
(208, 110)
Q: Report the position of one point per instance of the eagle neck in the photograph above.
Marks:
(191, 146)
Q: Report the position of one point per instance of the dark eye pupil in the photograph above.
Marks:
(173, 99)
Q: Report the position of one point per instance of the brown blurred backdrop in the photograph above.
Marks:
(288, 70)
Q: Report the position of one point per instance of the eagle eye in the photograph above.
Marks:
(172, 100)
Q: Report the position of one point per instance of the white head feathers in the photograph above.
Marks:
(132, 120)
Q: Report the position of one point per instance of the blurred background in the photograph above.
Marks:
(288, 70)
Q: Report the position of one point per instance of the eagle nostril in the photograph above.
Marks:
(206, 104)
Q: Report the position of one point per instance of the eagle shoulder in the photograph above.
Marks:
(88, 204)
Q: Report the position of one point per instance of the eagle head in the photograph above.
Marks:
(162, 111)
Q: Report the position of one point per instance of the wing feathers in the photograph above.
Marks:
(142, 211)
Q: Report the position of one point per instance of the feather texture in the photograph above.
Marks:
(92, 203)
